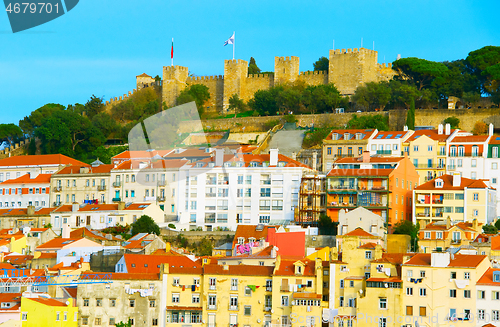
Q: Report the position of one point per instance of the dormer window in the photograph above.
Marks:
(438, 183)
(241, 240)
(251, 239)
(335, 136)
(281, 164)
(358, 136)
(347, 136)
(496, 276)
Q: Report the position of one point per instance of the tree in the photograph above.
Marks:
(490, 229)
(10, 133)
(471, 98)
(485, 65)
(252, 67)
(105, 123)
(326, 226)
(321, 64)
(403, 93)
(419, 72)
(453, 121)
(321, 98)
(372, 95)
(480, 128)
(145, 224)
(406, 227)
(124, 324)
(379, 122)
(410, 116)
(32, 147)
(205, 247)
(198, 93)
(94, 106)
(264, 101)
(497, 224)
(236, 104)
(30, 123)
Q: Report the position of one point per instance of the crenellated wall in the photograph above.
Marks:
(174, 81)
(314, 77)
(215, 86)
(257, 82)
(286, 69)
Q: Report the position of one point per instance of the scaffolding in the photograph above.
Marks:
(312, 199)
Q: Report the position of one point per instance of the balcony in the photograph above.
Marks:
(341, 205)
(160, 199)
(430, 166)
(285, 288)
(57, 189)
(162, 183)
(267, 307)
(211, 307)
(384, 151)
(233, 308)
(464, 154)
(269, 288)
(116, 199)
(452, 167)
(101, 188)
(210, 221)
(117, 184)
(56, 204)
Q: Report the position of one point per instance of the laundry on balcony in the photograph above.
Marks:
(95, 201)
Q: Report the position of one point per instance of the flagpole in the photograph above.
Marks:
(234, 41)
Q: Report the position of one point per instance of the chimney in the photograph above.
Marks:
(219, 157)
(490, 129)
(474, 224)
(405, 128)
(448, 222)
(65, 231)
(273, 157)
(294, 155)
(447, 129)
(75, 207)
(34, 172)
(315, 159)
(30, 210)
(366, 156)
(440, 259)
(457, 179)
(440, 129)
(274, 251)
(121, 205)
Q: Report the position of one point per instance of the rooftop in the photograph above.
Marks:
(448, 184)
(40, 160)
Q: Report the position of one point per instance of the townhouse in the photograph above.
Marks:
(25, 217)
(361, 218)
(440, 235)
(81, 184)
(345, 143)
(460, 198)
(381, 185)
(488, 298)
(30, 189)
(467, 155)
(47, 312)
(388, 143)
(234, 188)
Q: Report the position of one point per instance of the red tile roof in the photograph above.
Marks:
(247, 159)
(369, 245)
(101, 169)
(495, 243)
(71, 291)
(448, 184)
(470, 139)
(141, 154)
(10, 297)
(304, 295)
(487, 278)
(92, 234)
(40, 160)
(238, 270)
(25, 179)
(248, 231)
(141, 263)
(24, 212)
(287, 268)
(366, 133)
(431, 133)
(47, 256)
(459, 260)
(49, 302)
(152, 164)
(18, 259)
(188, 153)
(372, 160)
(359, 232)
(392, 135)
(57, 243)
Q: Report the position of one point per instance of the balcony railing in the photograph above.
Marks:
(210, 221)
(101, 188)
(116, 199)
(430, 166)
(233, 308)
(452, 167)
(57, 189)
(384, 151)
(57, 204)
(285, 288)
(212, 307)
(160, 198)
(162, 183)
(464, 154)
(117, 184)
(269, 288)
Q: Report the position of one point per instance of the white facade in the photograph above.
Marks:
(388, 143)
(488, 298)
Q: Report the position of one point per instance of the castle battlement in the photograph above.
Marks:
(175, 68)
(314, 72)
(353, 50)
(386, 65)
(268, 76)
(286, 59)
(204, 78)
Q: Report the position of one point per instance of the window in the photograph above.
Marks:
(422, 292)
(341, 301)
(341, 283)
(495, 295)
(409, 310)
(466, 275)
(175, 281)
(415, 148)
(85, 321)
(480, 314)
(473, 163)
(175, 297)
(98, 321)
(467, 294)
(422, 311)
(495, 315)
(85, 302)
(112, 321)
(284, 300)
(98, 302)
(481, 294)
(429, 148)
(453, 293)
(422, 273)
(152, 303)
(476, 197)
(211, 283)
(453, 275)
(329, 150)
(427, 235)
(409, 291)
(248, 291)
(382, 303)
(351, 283)
(248, 310)
(132, 303)
(368, 254)
(58, 316)
(382, 322)
(112, 302)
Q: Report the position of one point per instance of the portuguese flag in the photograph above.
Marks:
(172, 51)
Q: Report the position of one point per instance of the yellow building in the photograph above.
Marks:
(427, 151)
(440, 235)
(43, 312)
(13, 243)
(456, 197)
(439, 288)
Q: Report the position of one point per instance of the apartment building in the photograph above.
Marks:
(488, 298)
(460, 198)
(236, 188)
(467, 155)
(388, 143)
(30, 189)
(345, 143)
(381, 185)
(440, 235)
(25, 217)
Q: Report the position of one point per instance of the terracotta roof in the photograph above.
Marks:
(360, 172)
(465, 226)
(448, 184)
(123, 276)
(459, 260)
(71, 291)
(57, 243)
(369, 245)
(247, 159)
(470, 139)
(188, 153)
(495, 243)
(45, 255)
(483, 238)
(384, 280)
(143, 75)
(49, 302)
(431, 133)
(372, 160)
(304, 295)
(390, 135)
(135, 164)
(24, 211)
(92, 234)
(487, 278)
(238, 270)
(6, 266)
(10, 297)
(39, 160)
(366, 133)
(141, 154)
(248, 231)
(359, 232)
(102, 207)
(18, 259)
(151, 263)
(287, 268)
(25, 179)
(92, 170)
(495, 139)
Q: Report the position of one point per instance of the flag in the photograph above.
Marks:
(230, 40)
(172, 51)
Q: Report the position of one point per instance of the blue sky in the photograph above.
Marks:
(100, 46)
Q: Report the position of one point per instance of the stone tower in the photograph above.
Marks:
(352, 68)
(174, 81)
(286, 70)
(235, 77)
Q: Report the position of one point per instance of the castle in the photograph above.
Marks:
(347, 69)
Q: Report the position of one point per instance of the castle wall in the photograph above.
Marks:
(314, 77)
(215, 86)
(256, 82)
(235, 78)
(352, 68)
(174, 81)
(286, 69)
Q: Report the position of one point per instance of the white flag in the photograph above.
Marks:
(230, 40)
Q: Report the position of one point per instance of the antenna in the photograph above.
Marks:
(334, 44)
(373, 45)
(361, 42)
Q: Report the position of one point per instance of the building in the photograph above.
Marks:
(25, 217)
(81, 184)
(48, 312)
(361, 218)
(144, 243)
(345, 143)
(491, 164)
(440, 235)
(100, 216)
(30, 189)
(428, 151)
(69, 250)
(231, 189)
(366, 240)
(382, 185)
(388, 143)
(460, 198)
(467, 155)
(10, 309)
(488, 295)
(312, 199)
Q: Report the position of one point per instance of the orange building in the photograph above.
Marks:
(381, 185)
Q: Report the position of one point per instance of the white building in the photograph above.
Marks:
(488, 298)
(30, 189)
(361, 218)
(388, 143)
(231, 189)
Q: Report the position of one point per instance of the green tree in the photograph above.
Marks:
(410, 116)
(490, 229)
(264, 101)
(145, 224)
(373, 95)
(32, 147)
(94, 106)
(326, 226)
(205, 247)
(453, 121)
(403, 93)
(470, 98)
(321, 64)
(10, 133)
(321, 98)
(379, 122)
(497, 224)
(30, 123)
(236, 104)
(485, 65)
(124, 324)
(406, 227)
(198, 93)
(252, 67)
(419, 72)
(106, 124)
(105, 154)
